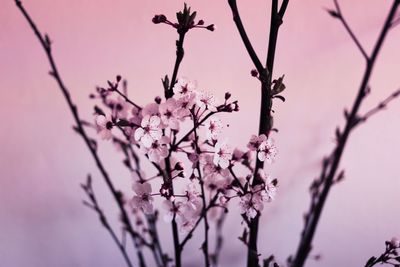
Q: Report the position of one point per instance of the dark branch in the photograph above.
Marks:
(328, 179)
(245, 38)
(348, 29)
(46, 44)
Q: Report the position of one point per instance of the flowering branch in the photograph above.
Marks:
(267, 94)
(331, 164)
(389, 256)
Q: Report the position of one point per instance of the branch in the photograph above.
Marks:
(381, 106)
(46, 44)
(245, 38)
(314, 213)
(88, 189)
(338, 14)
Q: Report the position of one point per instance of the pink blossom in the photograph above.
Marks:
(168, 113)
(184, 104)
(119, 107)
(395, 242)
(158, 149)
(214, 127)
(184, 87)
(104, 125)
(255, 142)
(143, 199)
(206, 101)
(185, 225)
(267, 151)
(250, 205)
(222, 155)
(151, 109)
(149, 131)
(172, 209)
(268, 188)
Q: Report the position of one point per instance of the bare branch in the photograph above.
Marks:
(245, 38)
(46, 44)
(319, 200)
(94, 205)
(381, 106)
(348, 29)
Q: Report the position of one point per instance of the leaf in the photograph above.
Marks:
(98, 111)
(278, 86)
(333, 13)
(243, 238)
(123, 123)
(280, 98)
(370, 261)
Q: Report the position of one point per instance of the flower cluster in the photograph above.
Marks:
(186, 127)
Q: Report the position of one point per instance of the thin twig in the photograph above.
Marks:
(349, 31)
(46, 45)
(88, 189)
(245, 38)
(381, 106)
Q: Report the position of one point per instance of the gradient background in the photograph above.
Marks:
(42, 161)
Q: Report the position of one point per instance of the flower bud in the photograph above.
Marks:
(227, 95)
(157, 99)
(201, 22)
(211, 27)
(254, 73)
(179, 166)
(395, 242)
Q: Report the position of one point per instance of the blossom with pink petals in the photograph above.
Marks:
(206, 101)
(149, 131)
(222, 155)
(143, 199)
(267, 151)
(168, 113)
(104, 125)
(184, 87)
(256, 141)
(214, 127)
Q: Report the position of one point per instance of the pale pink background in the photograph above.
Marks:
(42, 162)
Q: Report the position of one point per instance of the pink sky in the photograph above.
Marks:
(42, 161)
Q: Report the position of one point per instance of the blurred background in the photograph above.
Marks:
(43, 162)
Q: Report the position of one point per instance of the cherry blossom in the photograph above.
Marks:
(395, 242)
(184, 104)
(149, 131)
(143, 199)
(222, 155)
(184, 87)
(119, 107)
(168, 113)
(268, 189)
(172, 209)
(214, 127)
(250, 204)
(267, 151)
(151, 109)
(256, 141)
(158, 149)
(104, 125)
(206, 101)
